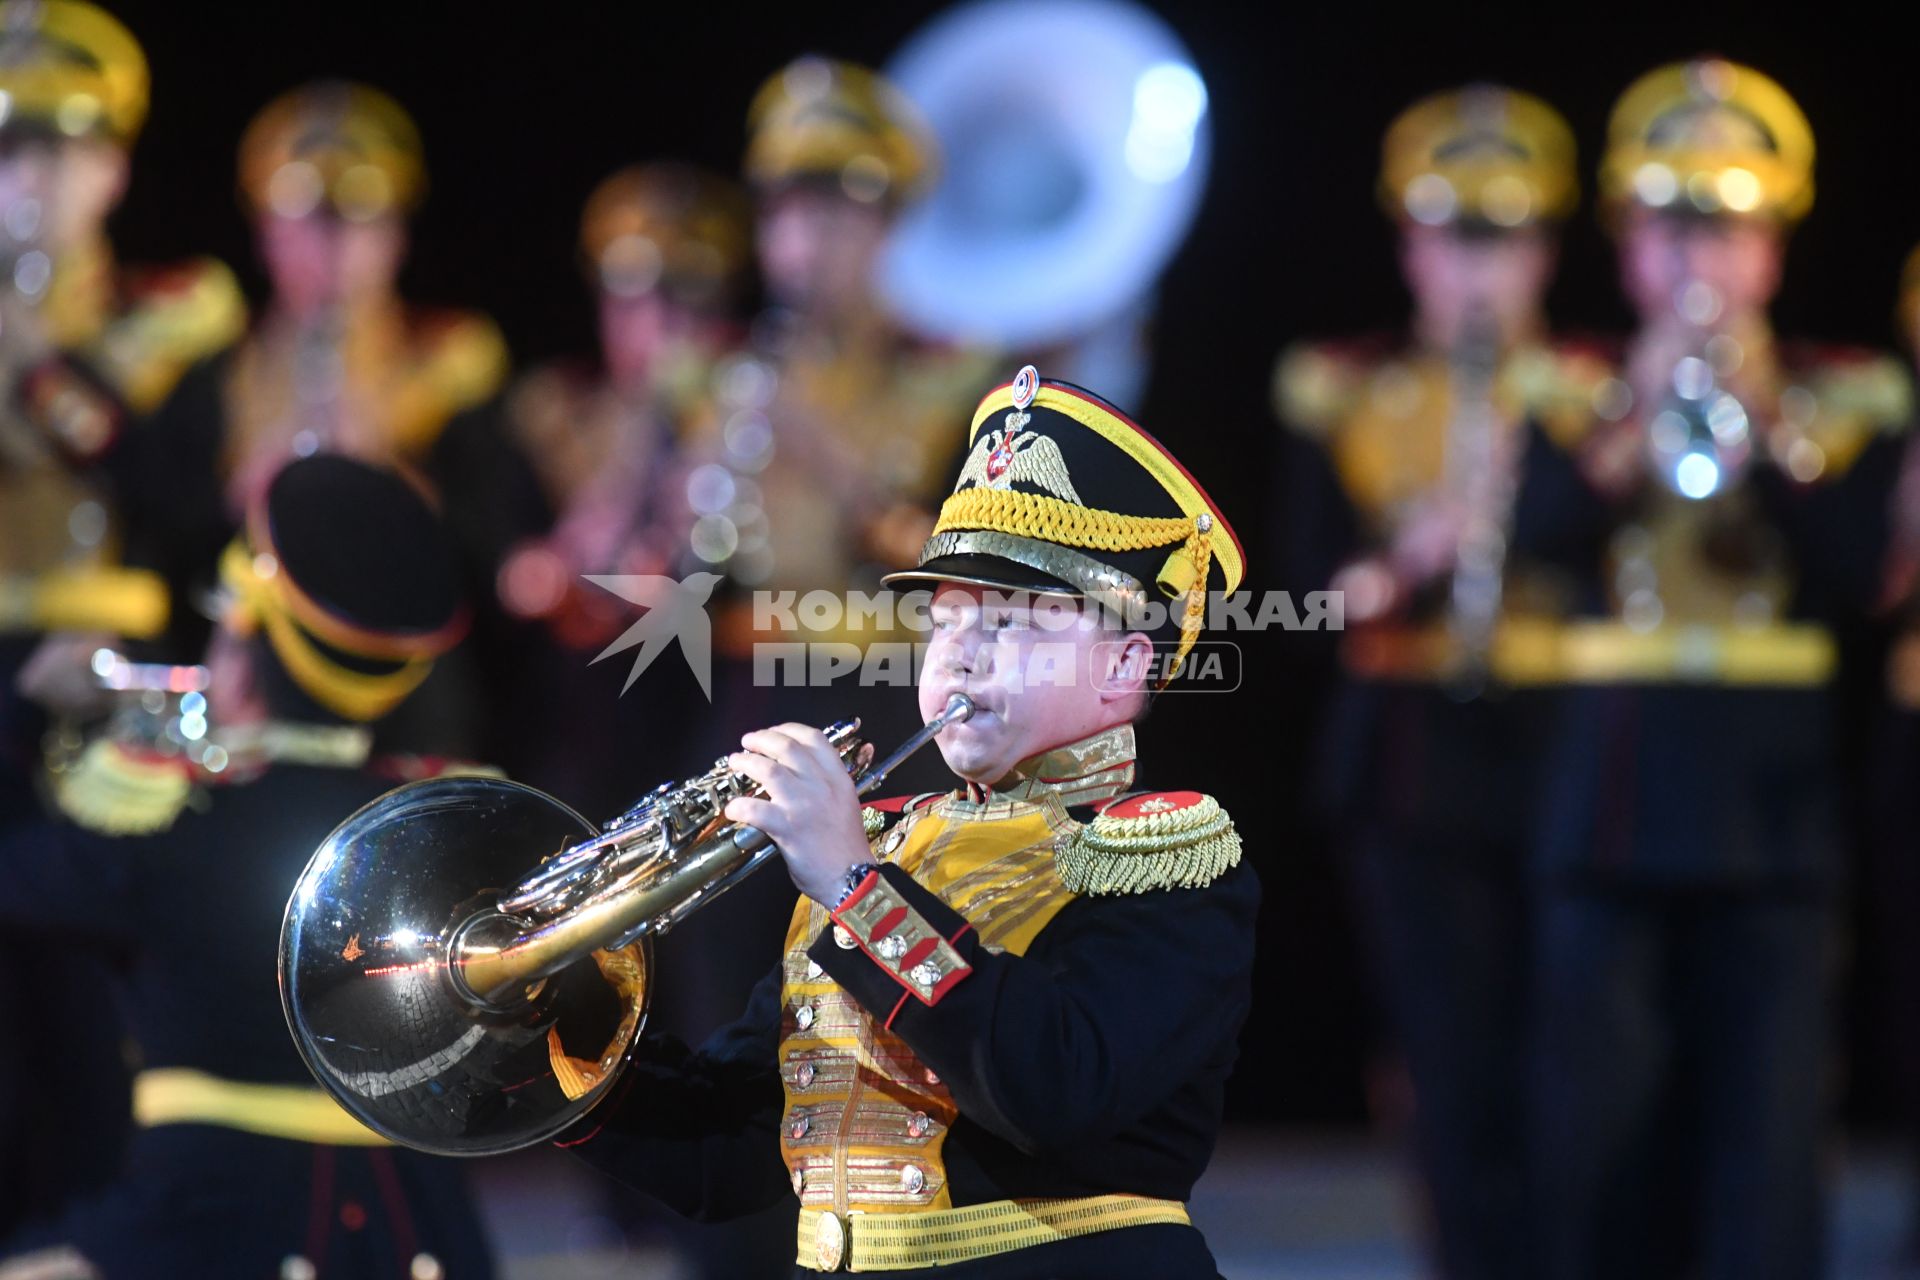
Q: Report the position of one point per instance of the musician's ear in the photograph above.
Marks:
(1123, 671)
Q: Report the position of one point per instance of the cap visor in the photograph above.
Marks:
(983, 571)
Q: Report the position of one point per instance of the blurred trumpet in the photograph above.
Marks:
(1700, 436)
(1478, 476)
(155, 712)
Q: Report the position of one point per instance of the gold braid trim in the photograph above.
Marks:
(114, 792)
(872, 821)
(1199, 550)
(1035, 515)
(1055, 520)
(1185, 848)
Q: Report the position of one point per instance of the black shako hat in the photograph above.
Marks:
(1063, 494)
(352, 577)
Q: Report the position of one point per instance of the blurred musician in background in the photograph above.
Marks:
(826, 440)
(340, 595)
(339, 362)
(1894, 805)
(87, 346)
(1427, 478)
(1689, 874)
(665, 248)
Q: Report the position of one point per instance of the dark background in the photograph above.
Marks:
(525, 107)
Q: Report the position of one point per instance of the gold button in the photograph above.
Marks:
(799, 1179)
(803, 1017)
(918, 1124)
(814, 971)
(829, 1242)
(844, 940)
(798, 1129)
(912, 1180)
(804, 1076)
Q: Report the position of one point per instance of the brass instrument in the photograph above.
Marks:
(1477, 474)
(157, 708)
(1699, 438)
(454, 1001)
(1113, 147)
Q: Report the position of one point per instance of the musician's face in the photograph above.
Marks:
(1451, 274)
(1042, 671)
(1660, 254)
(233, 692)
(640, 331)
(318, 259)
(56, 195)
(818, 248)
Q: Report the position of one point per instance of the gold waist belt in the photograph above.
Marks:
(1548, 653)
(906, 1241)
(180, 1095)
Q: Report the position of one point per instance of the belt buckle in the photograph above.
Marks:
(829, 1240)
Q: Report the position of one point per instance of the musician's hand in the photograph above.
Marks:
(58, 675)
(810, 809)
(1428, 539)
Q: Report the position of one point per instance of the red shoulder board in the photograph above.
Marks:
(161, 280)
(1149, 803)
(1804, 355)
(1592, 346)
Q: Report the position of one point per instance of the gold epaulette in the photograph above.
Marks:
(174, 318)
(1855, 396)
(1564, 388)
(1160, 840)
(114, 791)
(461, 360)
(1316, 386)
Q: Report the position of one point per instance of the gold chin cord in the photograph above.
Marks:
(464, 963)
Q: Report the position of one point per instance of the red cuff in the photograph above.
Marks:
(901, 941)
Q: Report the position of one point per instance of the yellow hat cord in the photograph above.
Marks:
(1049, 519)
(1035, 515)
(260, 600)
(1198, 550)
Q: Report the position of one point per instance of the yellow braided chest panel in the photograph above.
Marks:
(865, 1119)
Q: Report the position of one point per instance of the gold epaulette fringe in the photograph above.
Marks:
(116, 793)
(1184, 848)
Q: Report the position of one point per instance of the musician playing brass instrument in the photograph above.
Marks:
(665, 247)
(1688, 865)
(1425, 479)
(340, 595)
(88, 346)
(337, 361)
(829, 425)
(995, 1043)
